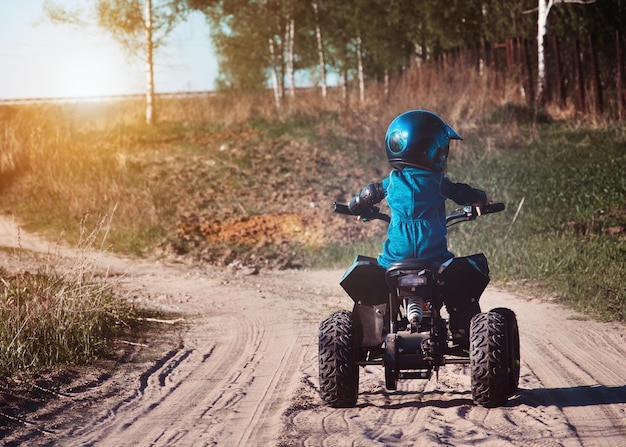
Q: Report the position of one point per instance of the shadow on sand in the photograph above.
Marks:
(576, 396)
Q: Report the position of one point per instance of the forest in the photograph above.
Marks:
(568, 54)
(361, 42)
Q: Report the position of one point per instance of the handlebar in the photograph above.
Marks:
(469, 212)
(341, 208)
(372, 213)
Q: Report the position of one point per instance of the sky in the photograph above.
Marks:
(39, 59)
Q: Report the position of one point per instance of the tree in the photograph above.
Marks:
(138, 26)
(543, 10)
(320, 48)
(255, 42)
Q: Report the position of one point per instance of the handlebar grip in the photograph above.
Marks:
(341, 208)
(371, 213)
(492, 208)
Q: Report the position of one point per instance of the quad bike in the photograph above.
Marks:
(377, 331)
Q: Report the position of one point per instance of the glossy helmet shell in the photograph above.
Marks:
(421, 139)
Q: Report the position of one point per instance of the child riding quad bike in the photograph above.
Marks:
(396, 321)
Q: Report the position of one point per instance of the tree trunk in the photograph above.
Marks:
(558, 73)
(290, 69)
(275, 83)
(597, 84)
(320, 49)
(543, 10)
(580, 80)
(386, 86)
(530, 97)
(481, 58)
(344, 85)
(510, 53)
(619, 81)
(542, 22)
(361, 75)
(150, 115)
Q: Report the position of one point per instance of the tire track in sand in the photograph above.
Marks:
(245, 373)
(223, 386)
(572, 393)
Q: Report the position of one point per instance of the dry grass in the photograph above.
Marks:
(65, 162)
(56, 310)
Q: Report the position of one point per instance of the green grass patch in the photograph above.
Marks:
(570, 231)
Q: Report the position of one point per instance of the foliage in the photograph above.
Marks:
(390, 33)
(378, 39)
(240, 43)
(123, 19)
(602, 19)
(126, 22)
(566, 190)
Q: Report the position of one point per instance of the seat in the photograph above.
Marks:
(410, 266)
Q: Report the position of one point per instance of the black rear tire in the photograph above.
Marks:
(514, 351)
(489, 359)
(337, 354)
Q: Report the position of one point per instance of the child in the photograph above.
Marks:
(417, 144)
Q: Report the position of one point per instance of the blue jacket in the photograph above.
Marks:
(418, 214)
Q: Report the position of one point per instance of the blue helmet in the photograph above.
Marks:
(420, 139)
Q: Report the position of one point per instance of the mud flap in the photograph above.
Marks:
(369, 321)
(463, 281)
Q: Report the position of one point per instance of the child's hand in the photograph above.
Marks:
(369, 213)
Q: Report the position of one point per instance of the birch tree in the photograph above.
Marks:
(140, 27)
(255, 43)
(543, 10)
(320, 48)
(290, 40)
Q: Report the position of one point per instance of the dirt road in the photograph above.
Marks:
(241, 370)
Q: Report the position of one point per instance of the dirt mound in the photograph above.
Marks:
(242, 197)
(255, 231)
(274, 240)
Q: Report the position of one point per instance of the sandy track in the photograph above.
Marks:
(243, 372)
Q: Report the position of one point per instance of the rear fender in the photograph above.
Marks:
(365, 282)
(463, 281)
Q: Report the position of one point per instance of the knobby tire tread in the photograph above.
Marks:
(338, 371)
(489, 359)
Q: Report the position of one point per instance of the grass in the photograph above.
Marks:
(570, 234)
(57, 311)
(47, 320)
(570, 176)
(226, 178)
